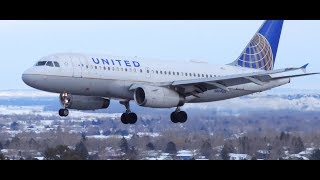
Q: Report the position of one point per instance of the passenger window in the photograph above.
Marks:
(160, 72)
(198, 75)
(125, 69)
(174, 73)
(56, 64)
(165, 72)
(96, 67)
(169, 72)
(207, 76)
(211, 76)
(49, 63)
(202, 75)
(156, 72)
(104, 68)
(147, 71)
(178, 73)
(141, 70)
(87, 66)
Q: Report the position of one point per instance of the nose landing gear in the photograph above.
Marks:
(65, 99)
(63, 112)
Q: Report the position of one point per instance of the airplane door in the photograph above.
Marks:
(148, 72)
(77, 66)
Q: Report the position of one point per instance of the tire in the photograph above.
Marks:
(60, 112)
(132, 118)
(182, 116)
(65, 112)
(125, 118)
(174, 117)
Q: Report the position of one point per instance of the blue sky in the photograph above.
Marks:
(22, 43)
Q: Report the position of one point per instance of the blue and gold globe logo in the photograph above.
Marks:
(258, 54)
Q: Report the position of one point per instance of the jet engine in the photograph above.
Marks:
(158, 97)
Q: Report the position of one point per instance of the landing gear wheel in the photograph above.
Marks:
(124, 118)
(132, 118)
(180, 116)
(174, 117)
(63, 112)
(129, 118)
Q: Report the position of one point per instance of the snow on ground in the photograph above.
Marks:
(109, 136)
(25, 93)
(239, 156)
(308, 151)
(261, 102)
(20, 110)
(302, 100)
(39, 158)
(185, 153)
(148, 134)
(39, 110)
(120, 137)
(263, 151)
(4, 150)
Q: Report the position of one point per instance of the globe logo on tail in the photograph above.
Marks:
(258, 54)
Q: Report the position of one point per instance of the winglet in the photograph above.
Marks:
(304, 68)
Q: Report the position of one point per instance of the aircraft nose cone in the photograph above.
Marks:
(28, 78)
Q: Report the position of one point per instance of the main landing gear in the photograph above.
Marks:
(128, 117)
(65, 99)
(179, 116)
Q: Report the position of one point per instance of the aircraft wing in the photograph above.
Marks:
(237, 76)
(196, 86)
(193, 87)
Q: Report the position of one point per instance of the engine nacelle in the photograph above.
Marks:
(157, 97)
(83, 102)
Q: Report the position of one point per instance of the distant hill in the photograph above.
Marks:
(277, 99)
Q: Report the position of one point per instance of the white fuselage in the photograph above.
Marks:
(112, 76)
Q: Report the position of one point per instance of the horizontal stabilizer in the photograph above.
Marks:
(304, 68)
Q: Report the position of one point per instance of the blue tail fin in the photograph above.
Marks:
(261, 52)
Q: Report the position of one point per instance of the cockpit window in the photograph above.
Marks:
(49, 63)
(56, 64)
(41, 63)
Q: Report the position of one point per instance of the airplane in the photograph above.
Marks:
(89, 82)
